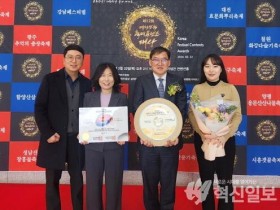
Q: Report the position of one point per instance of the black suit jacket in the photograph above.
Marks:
(93, 100)
(51, 115)
(146, 88)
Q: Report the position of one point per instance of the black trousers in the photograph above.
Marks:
(111, 162)
(159, 166)
(75, 163)
(223, 167)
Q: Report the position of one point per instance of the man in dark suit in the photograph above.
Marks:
(159, 164)
(56, 114)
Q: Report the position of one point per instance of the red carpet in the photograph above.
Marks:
(31, 197)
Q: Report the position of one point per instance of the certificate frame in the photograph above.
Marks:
(158, 120)
(103, 124)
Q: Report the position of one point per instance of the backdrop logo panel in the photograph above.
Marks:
(260, 42)
(23, 156)
(5, 121)
(30, 68)
(71, 13)
(7, 9)
(32, 39)
(23, 96)
(263, 160)
(263, 71)
(33, 12)
(6, 61)
(263, 100)
(236, 68)
(226, 13)
(263, 130)
(24, 127)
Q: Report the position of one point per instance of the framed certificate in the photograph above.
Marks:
(103, 124)
(158, 120)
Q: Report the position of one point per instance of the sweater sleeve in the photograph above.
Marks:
(237, 117)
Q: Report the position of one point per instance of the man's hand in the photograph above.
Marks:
(146, 143)
(171, 143)
(54, 138)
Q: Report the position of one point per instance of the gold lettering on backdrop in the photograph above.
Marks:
(147, 33)
(145, 28)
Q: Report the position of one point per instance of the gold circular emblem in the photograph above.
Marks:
(158, 120)
(266, 130)
(33, 11)
(1, 95)
(266, 70)
(1, 38)
(187, 131)
(28, 126)
(265, 12)
(31, 67)
(71, 37)
(226, 41)
(146, 28)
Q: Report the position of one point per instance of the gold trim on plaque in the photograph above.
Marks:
(158, 120)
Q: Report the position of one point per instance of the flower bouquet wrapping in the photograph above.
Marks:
(213, 116)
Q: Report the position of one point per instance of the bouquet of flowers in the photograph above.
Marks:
(213, 116)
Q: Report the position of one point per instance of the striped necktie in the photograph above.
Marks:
(160, 88)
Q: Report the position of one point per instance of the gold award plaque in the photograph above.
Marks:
(158, 120)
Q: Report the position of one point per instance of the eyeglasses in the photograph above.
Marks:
(158, 61)
(72, 58)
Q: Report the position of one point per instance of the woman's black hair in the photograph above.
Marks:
(216, 60)
(100, 70)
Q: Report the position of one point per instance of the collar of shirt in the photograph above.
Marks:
(70, 81)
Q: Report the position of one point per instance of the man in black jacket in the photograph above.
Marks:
(57, 113)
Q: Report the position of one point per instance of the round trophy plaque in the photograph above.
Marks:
(158, 120)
